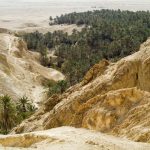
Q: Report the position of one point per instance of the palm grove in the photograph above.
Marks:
(106, 34)
(12, 114)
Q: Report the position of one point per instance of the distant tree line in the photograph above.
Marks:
(109, 34)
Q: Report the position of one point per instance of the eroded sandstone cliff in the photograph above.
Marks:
(112, 98)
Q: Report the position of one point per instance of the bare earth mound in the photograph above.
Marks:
(20, 70)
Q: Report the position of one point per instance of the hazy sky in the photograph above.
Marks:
(69, 0)
(110, 4)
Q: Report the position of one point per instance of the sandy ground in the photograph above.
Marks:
(29, 16)
(68, 138)
(44, 29)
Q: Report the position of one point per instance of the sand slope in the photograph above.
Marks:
(20, 70)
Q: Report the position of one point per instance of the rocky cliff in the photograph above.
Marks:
(112, 98)
(20, 70)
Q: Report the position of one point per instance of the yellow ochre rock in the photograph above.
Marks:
(113, 98)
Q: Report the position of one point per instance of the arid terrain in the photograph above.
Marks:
(21, 14)
(108, 110)
(103, 102)
(66, 138)
(20, 70)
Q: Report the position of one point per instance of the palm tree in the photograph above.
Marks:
(7, 113)
(62, 85)
(25, 108)
(22, 104)
(31, 108)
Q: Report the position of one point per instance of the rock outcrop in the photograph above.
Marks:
(112, 98)
(20, 70)
(68, 138)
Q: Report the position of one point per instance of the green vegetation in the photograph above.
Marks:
(24, 108)
(56, 87)
(107, 34)
(7, 114)
(12, 114)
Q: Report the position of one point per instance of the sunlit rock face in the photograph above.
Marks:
(112, 98)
